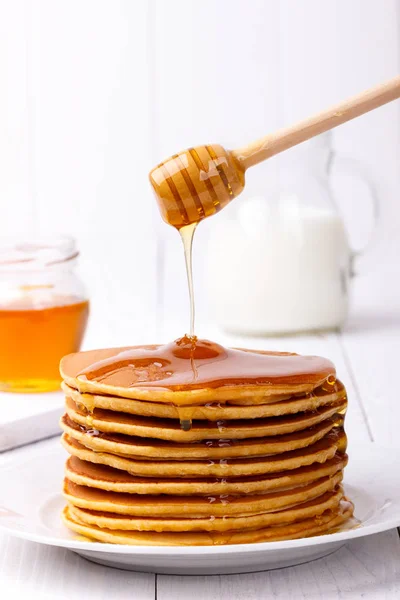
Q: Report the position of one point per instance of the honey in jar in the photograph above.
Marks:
(43, 312)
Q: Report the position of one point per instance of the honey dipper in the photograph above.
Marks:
(197, 182)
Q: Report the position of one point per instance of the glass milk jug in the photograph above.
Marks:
(280, 261)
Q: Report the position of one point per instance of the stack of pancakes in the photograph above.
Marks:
(240, 462)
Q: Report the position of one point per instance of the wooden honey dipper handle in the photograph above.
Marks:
(198, 182)
(285, 138)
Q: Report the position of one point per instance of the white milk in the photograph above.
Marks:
(278, 270)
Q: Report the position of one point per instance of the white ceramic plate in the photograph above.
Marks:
(30, 507)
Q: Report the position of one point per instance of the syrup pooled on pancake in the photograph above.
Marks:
(189, 363)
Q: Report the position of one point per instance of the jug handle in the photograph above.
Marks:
(358, 169)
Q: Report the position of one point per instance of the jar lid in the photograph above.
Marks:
(36, 252)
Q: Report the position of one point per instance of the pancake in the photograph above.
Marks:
(191, 443)
(319, 452)
(325, 523)
(306, 510)
(213, 411)
(165, 374)
(212, 449)
(195, 506)
(170, 430)
(106, 478)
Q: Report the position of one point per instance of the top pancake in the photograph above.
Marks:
(193, 375)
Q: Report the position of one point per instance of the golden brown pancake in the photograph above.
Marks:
(325, 523)
(306, 510)
(170, 430)
(333, 443)
(195, 506)
(212, 449)
(213, 411)
(107, 478)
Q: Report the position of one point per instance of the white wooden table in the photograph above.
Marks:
(367, 357)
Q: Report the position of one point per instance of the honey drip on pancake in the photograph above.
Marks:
(88, 408)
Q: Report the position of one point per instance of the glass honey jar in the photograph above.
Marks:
(43, 311)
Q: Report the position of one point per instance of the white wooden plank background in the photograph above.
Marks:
(367, 568)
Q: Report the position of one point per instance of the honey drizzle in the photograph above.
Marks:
(87, 403)
(187, 233)
(185, 414)
(160, 370)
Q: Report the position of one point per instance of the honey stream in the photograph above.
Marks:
(187, 234)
